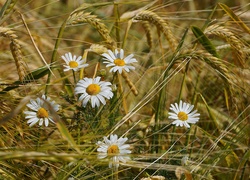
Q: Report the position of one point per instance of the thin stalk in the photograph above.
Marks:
(126, 33)
(117, 21)
(183, 82)
(191, 148)
(124, 102)
(84, 57)
(74, 76)
(58, 40)
(159, 105)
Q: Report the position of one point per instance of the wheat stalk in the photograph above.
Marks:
(15, 50)
(81, 17)
(219, 65)
(160, 23)
(235, 43)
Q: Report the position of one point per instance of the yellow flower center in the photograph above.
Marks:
(119, 62)
(113, 149)
(73, 64)
(182, 116)
(93, 89)
(42, 113)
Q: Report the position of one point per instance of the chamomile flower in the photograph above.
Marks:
(40, 111)
(73, 63)
(182, 114)
(115, 149)
(94, 90)
(117, 61)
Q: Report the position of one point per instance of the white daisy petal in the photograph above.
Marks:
(73, 63)
(182, 114)
(108, 58)
(121, 55)
(93, 90)
(117, 61)
(40, 111)
(115, 149)
(112, 55)
(126, 59)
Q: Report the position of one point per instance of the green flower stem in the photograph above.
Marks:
(74, 76)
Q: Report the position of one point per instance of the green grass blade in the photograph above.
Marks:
(34, 75)
(6, 10)
(205, 42)
(66, 135)
(63, 130)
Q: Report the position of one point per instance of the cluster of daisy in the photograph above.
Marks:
(91, 90)
(96, 92)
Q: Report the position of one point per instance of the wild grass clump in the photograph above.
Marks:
(124, 90)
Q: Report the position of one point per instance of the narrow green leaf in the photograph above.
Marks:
(202, 38)
(242, 164)
(234, 17)
(34, 75)
(6, 9)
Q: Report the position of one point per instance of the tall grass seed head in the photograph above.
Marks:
(93, 90)
(73, 62)
(40, 111)
(117, 61)
(182, 114)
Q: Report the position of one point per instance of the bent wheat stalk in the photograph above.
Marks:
(236, 44)
(79, 17)
(220, 66)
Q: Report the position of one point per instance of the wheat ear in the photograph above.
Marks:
(160, 23)
(235, 43)
(130, 84)
(220, 66)
(81, 17)
(146, 26)
(15, 50)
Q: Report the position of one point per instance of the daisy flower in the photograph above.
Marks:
(115, 149)
(182, 114)
(73, 63)
(117, 61)
(40, 111)
(93, 90)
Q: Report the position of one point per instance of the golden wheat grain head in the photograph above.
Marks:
(161, 25)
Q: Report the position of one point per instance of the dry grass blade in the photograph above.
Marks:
(33, 42)
(160, 23)
(15, 111)
(15, 50)
(81, 17)
(236, 44)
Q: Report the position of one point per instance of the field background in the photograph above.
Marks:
(174, 63)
